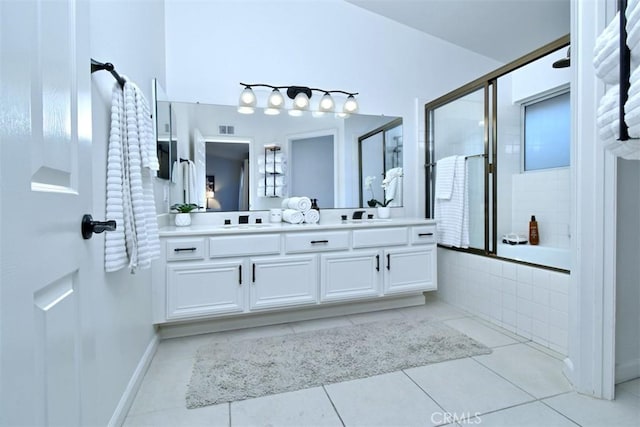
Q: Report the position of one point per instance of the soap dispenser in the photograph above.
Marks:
(534, 236)
(314, 204)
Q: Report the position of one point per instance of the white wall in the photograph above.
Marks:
(130, 35)
(212, 46)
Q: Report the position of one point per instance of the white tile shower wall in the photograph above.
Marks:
(545, 194)
(531, 302)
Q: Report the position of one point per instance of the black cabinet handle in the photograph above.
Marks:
(377, 262)
(184, 249)
(424, 234)
(240, 274)
(253, 273)
(388, 261)
(313, 242)
(89, 226)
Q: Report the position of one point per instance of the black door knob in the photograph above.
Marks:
(89, 226)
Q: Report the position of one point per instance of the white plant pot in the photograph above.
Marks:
(384, 211)
(183, 219)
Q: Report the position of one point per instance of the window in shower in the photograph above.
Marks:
(547, 134)
(482, 122)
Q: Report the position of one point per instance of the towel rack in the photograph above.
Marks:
(98, 66)
(465, 157)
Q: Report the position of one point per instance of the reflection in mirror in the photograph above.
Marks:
(320, 152)
(381, 176)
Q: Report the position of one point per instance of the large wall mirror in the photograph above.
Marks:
(226, 161)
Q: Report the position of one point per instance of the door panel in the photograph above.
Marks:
(45, 133)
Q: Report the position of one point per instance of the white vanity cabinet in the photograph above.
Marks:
(283, 281)
(218, 272)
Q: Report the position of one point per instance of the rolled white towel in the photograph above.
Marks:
(633, 27)
(302, 204)
(312, 216)
(271, 191)
(272, 168)
(632, 106)
(270, 181)
(292, 216)
(271, 158)
(285, 203)
(606, 55)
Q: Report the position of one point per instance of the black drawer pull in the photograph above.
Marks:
(377, 262)
(424, 234)
(313, 242)
(184, 249)
(240, 274)
(253, 273)
(388, 261)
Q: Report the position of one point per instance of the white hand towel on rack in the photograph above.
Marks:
(292, 216)
(606, 55)
(271, 158)
(453, 214)
(131, 164)
(445, 172)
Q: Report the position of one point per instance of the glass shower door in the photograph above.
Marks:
(456, 127)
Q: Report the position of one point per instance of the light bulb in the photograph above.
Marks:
(276, 100)
(350, 105)
(247, 98)
(301, 101)
(326, 103)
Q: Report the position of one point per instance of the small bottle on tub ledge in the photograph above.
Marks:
(534, 236)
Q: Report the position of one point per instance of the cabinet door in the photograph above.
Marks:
(283, 281)
(197, 289)
(350, 276)
(410, 270)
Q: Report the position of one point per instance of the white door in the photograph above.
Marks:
(45, 183)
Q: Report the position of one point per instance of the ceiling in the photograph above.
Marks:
(503, 30)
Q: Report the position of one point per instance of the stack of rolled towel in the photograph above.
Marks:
(271, 182)
(607, 66)
(296, 210)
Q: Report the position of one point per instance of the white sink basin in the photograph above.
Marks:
(246, 226)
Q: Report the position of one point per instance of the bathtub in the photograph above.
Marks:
(542, 255)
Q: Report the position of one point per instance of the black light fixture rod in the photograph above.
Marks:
(251, 85)
(98, 66)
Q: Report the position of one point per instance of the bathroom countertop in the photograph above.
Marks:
(217, 229)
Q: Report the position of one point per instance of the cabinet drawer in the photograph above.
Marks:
(256, 244)
(379, 237)
(185, 248)
(423, 235)
(314, 242)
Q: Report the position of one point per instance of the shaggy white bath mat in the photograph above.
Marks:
(230, 371)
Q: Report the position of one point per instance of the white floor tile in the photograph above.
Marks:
(546, 350)
(535, 372)
(534, 414)
(460, 387)
(632, 387)
(590, 412)
(479, 332)
(209, 416)
(317, 324)
(383, 400)
(309, 407)
(164, 386)
(433, 309)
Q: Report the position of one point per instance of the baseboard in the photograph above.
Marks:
(175, 330)
(628, 370)
(120, 413)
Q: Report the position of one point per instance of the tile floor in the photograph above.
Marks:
(519, 384)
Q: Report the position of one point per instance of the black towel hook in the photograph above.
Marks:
(108, 66)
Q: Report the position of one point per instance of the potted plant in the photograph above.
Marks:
(183, 217)
(384, 211)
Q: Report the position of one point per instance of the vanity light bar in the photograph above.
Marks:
(300, 96)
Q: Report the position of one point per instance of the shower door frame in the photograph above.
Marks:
(488, 82)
